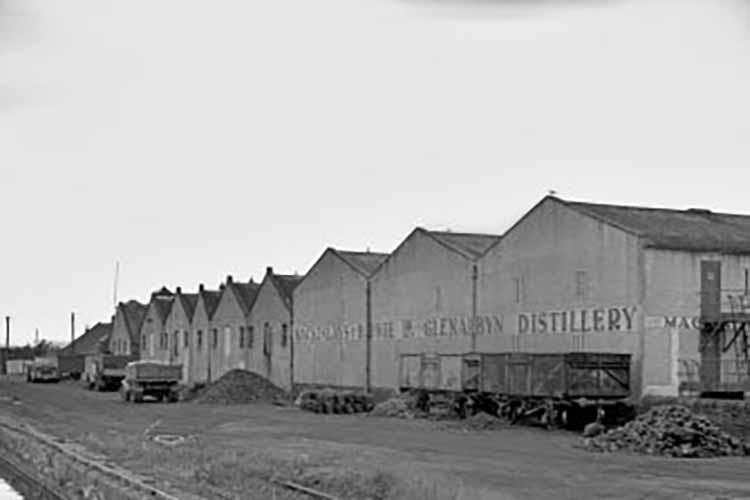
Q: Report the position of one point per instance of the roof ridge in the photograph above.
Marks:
(691, 210)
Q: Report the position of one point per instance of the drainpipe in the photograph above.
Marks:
(474, 277)
(290, 339)
(368, 337)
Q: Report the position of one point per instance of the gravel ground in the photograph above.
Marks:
(509, 463)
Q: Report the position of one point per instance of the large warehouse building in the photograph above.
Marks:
(568, 276)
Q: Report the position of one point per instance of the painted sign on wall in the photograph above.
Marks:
(454, 326)
(611, 319)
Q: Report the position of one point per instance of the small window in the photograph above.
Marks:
(199, 340)
(176, 343)
(581, 283)
(187, 339)
(214, 338)
(519, 289)
(250, 336)
(143, 341)
(124, 346)
(267, 339)
(284, 334)
(747, 282)
(242, 337)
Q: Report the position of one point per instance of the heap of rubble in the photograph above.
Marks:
(672, 431)
(238, 387)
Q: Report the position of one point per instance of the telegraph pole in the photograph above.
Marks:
(72, 331)
(4, 364)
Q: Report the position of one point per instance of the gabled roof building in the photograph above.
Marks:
(271, 323)
(598, 277)
(331, 319)
(126, 329)
(423, 301)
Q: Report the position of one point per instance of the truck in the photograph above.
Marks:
(41, 372)
(104, 372)
(152, 379)
(566, 390)
(71, 365)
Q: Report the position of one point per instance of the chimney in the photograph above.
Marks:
(269, 270)
(221, 286)
(201, 288)
(179, 290)
(229, 279)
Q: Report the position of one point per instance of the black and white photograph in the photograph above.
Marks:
(374, 250)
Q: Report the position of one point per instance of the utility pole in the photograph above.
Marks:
(72, 330)
(4, 364)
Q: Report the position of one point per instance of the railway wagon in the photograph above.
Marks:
(558, 389)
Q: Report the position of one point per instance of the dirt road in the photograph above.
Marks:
(518, 463)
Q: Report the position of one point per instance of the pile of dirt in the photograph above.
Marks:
(672, 431)
(240, 386)
(394, 407)
(333, 401)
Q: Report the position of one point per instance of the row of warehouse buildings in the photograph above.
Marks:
(568, 276)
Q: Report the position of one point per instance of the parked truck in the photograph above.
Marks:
(151, 379)
(555, 389)
(104, 372)
(41, 372)
(71, 365)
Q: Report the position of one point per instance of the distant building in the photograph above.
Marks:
(94, 340)
(126, 329)
(232, 336)
(331, 317)
(174, 347)
(202, 326)
(271, 320)
(153, 327)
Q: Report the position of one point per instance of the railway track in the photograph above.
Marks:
(27, 483)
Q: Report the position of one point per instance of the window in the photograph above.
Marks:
(176, 343)
(284, 334)
(267, 339)
(124, 346)
(227, 340)
(747, 282)
(250, 336)
(242, 337)
(187, 339)
(519, 289)
(581, 283)
(143, 341)
(199, 340)
(214, 338)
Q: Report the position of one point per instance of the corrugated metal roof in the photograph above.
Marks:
(694, 230)
(364, 262)
(470, 245)
(90, 342)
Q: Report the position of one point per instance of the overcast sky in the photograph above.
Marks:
(194, 139)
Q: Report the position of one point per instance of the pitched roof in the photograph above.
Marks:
(188, 301)
(470, 245)
(245, 293)
(285, 285)
(133, 313)
(693, 230)
(210, 301)
(364, 263)
(90, 341)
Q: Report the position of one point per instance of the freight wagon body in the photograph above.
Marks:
(565, 389)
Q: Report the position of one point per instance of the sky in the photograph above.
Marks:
(190, 140)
